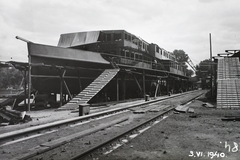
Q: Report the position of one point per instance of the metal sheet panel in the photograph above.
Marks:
(65, 53)
(76, 39)
(66, 40)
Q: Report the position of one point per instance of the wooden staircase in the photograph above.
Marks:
(228, 87)
(228, 68)
(90, 91)
(228, 95)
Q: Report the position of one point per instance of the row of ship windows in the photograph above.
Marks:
(165, 54)
(118, 37)
(135, 56)
(140, 57)
(135, 40)
(176, 66)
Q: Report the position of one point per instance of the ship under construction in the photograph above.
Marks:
(99, 66)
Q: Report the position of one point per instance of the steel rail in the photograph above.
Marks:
(115, 138)
(29, 130)
(29, 155)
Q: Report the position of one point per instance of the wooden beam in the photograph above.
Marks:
(156, 91)
(61, 86)
(144, 84)
(117, 88)
(58, 77)
(66, 87)
(124, 86)
(61, 92)
(25, 89)
(29, 82)
(139, 86)
(80, 84)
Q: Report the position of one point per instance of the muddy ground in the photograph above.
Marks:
(198, 135)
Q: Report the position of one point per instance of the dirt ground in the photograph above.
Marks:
(199, 135)
(186, 136)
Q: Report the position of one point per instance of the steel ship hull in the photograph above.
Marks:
(50, 64)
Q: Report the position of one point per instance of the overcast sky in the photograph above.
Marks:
(172, 24)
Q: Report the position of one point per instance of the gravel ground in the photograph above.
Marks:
(180, 136)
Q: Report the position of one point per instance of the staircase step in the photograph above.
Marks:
(88, 95)
(74, 102)
(90, 91)
(96, 89)
(78, 96)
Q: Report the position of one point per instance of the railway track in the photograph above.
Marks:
(121, 115)
(118, 140)
(131, 133)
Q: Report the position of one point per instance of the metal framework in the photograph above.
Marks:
(189, 61)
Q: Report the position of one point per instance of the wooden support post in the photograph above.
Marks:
(55, 97)
(157, 87)
(29, 81)
(139, 86)
(80, 84)
(155, 96)
(124, 87)
(160, 88)
(117, 88)
(61, 86)
(167, 81)
(181, 86)
(105, 95)
(173, 85)
(66, 87)
(186, 86)
(63, 82)
(164, 85)
(25, 89)
(61, 92)
(144, 84)
(211, 78)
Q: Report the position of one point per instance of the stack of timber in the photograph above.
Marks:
(9, 116)
(228, 87)
(90, 91)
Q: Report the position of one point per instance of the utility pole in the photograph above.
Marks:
(210, 40)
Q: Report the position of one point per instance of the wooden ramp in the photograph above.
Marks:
(90, 91)
(228, 83)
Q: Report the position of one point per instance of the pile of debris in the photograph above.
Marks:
(184, 109)
(10, 117)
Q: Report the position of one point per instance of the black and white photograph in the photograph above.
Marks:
(119, 80)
